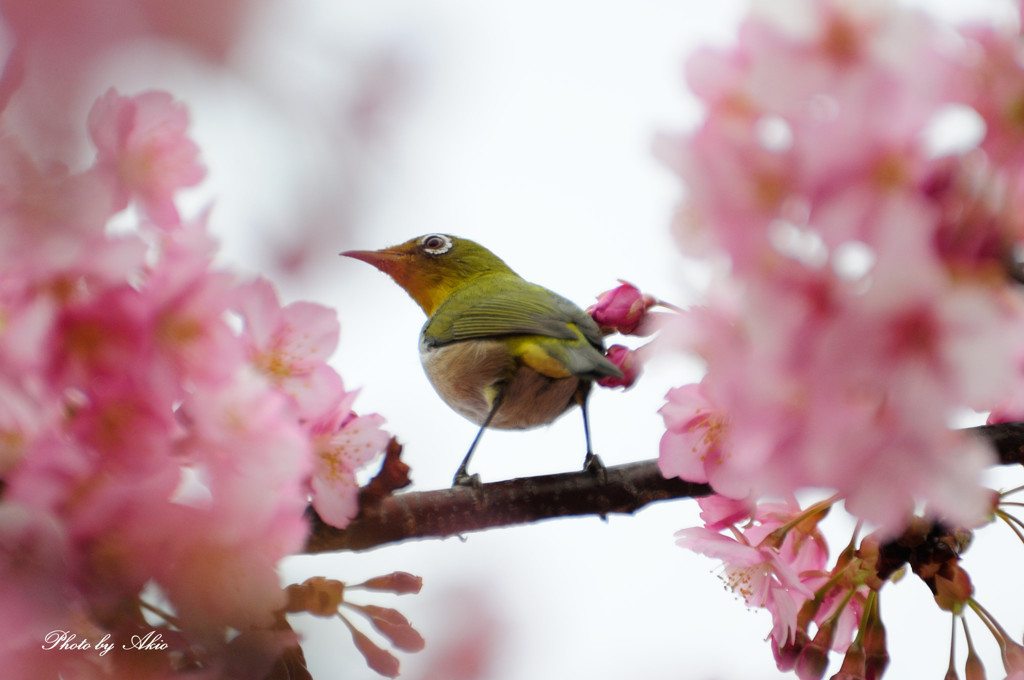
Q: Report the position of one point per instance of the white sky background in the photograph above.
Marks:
(527, 127)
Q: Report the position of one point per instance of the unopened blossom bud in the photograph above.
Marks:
(787, 654)
(622, 309)
(813, 660)
(853, 664)
(953, 588)
(627, 361)
(876, 653)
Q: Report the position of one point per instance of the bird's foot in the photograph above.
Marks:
(463, 478)
(592, 464)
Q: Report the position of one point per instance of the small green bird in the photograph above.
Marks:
(501, 351)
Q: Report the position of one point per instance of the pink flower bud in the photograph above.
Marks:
(627, 362)
(787, 653)
(953, 590)
(813, 659)
(876, 653)
(621, 309)
(853, 664)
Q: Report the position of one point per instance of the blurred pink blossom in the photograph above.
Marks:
(991, 83)
(691, 446)
(57, 45)
(290, 346)
(143, 150)
(145, 441)
(867, 297)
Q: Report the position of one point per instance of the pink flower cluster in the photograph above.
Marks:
(868, 299)
(53, 48)
(162, 425)
(765, 572)
(776, 557)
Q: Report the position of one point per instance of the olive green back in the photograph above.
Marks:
(504, 304)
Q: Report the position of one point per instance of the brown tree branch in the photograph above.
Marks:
(1007, 440)
(460, 510)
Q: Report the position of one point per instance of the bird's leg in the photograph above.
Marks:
(592, 463)
(463, 478)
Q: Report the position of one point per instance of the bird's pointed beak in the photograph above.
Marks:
(383, 260)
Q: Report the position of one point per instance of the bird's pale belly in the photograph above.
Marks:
(468, 374)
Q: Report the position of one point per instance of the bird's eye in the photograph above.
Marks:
(436, 244)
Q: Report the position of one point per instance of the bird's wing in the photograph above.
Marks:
(515, 307)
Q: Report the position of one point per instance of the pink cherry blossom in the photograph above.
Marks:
(770, 561)
(691, 446)
(246, 415)
(866, 298)
(343, 442)
(863, 295)
(793, 126)
(189, 304)
(144, 151)
(92, 339)
(992, 85)
(146, 441)
(61, 206)
(290, 346)
(35, 575)
(719, 512)
(57, 45)
(980, 214)
(215, 581)
(26, 414)
(820, 392)
(756, 573)
(77, 31)
(804, 549)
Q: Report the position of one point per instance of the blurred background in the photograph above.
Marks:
(329, 125)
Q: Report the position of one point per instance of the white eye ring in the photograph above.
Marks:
(439, 244)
